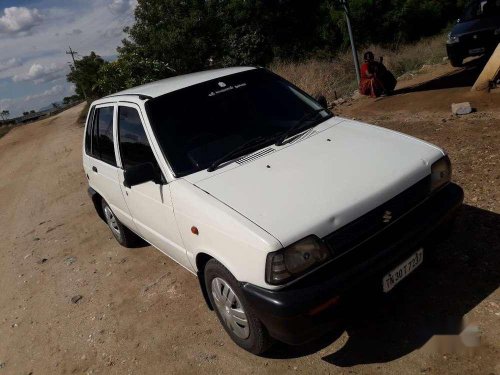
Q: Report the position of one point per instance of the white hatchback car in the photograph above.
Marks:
(278, 206)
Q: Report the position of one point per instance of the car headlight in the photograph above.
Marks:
(452, 39)
(440, 173)
(295, 260)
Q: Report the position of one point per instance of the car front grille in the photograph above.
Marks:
(356, 232)
(478, 39)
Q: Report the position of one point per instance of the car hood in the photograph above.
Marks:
(476, 25)
(321, 181)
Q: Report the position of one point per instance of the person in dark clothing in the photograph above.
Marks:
(376, 80)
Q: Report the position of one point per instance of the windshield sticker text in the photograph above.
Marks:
(213, 93)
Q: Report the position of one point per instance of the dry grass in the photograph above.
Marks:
(325, 77)
(411, 57)
(82, 117)
(328, 77)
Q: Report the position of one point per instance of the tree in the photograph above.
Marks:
(170, 34)
(70, 99)
(84, 74)
(5, 114)
(241, 32)
(130, 70)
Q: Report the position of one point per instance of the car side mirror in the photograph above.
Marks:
(322, 101)
(139, 174)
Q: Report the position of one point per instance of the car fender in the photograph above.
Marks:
(209, 226)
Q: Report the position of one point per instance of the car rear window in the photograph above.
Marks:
(102, 135)
(88, 132)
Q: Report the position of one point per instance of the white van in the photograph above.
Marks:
(278, 206)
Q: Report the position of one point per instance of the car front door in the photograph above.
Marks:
(149, 203)
(101, 162)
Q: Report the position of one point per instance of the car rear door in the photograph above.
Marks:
(101, 165)
(150, 204)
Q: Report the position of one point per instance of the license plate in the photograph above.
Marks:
(404, 269)
(476, 50)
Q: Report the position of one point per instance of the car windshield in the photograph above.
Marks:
(198, 125)
(481, 9)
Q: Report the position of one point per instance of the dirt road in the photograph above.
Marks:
(140, 313)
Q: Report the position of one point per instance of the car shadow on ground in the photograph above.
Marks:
(463, 77)
(460, 273)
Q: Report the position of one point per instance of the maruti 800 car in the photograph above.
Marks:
(278, 207)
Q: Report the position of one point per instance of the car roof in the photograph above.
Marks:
(164, 86)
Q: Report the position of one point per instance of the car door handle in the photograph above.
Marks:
(94, 169)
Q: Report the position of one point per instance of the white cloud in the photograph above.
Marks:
(122, 6)
(39, 73)
(53, 91)
(112, 33)
(19, 20)
(10, 63)
(101, 32)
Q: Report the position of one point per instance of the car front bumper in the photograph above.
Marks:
(309, 308)
(470, 47)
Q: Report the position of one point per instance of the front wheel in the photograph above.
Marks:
(237, 318)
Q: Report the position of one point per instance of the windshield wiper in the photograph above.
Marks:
(251, 144)
(297, 126)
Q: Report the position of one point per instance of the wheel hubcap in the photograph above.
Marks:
(111, 220)
(230, 308)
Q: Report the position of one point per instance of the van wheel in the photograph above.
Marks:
(237, 318)
(123, 235)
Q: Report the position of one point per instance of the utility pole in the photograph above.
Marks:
(73, 53)
(345, 5)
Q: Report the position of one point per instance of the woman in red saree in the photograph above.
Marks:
(376, 80)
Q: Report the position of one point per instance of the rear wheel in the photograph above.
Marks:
(237, 318)
(122, 234)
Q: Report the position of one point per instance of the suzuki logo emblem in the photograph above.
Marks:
(222, 84)
(387, 217)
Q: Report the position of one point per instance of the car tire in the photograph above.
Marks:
(233, 311)
(122, 234)
(456, 62)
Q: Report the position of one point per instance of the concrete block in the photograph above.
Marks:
(461, 108)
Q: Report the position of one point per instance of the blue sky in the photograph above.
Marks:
(34, 36)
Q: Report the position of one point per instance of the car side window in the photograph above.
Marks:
(134, 145)
(95, 137)
(105, 131)
(102, 135)
(88, 133)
